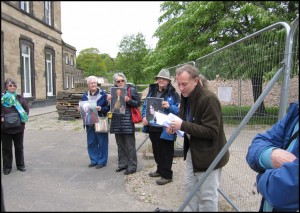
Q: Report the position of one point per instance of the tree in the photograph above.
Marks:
(130, 57)
(93, 63)
(190, 30)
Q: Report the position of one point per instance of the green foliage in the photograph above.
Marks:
(234, 115)
(190, 30)
(93, 63)
(130, 58)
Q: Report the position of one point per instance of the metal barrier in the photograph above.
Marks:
(242, 67)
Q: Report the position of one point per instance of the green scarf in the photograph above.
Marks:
(9, 100)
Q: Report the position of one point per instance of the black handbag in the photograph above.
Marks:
(12, 120)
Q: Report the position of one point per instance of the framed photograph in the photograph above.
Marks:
(118, 104)
(153, 105)
(88, 112)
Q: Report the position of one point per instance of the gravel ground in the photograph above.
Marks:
(238, 185)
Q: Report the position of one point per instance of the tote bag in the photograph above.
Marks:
(102, 125)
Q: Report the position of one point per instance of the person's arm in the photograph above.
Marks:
(272, 138)
(280, 187)
(134, 101)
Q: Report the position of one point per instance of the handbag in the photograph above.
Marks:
(136, 115)
(12, 120)
(102, 125)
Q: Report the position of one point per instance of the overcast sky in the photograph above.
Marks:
(103, 24)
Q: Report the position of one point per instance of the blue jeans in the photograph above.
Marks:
(97, 146)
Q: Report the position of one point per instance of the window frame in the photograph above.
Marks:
(48, 12)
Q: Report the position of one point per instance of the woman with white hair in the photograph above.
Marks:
(124, 129)
(97, 142)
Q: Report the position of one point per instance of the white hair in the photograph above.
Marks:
(92, 77)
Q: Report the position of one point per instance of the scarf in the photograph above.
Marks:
(9, 100)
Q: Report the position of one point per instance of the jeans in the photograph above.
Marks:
(97, 146)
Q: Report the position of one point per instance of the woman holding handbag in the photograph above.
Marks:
(123, 128)
(13, 103)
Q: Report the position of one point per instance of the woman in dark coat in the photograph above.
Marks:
(13, 102)
(124, 129)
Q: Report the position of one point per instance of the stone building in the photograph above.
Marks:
(33, 53)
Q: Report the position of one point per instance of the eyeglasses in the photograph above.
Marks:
(120, 81)
(12, 85)
(151, 108)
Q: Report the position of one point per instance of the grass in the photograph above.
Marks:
(234, 115)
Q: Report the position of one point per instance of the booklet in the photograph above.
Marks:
(165, 120)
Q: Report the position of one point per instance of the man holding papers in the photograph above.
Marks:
(204, 137)
(162, 142)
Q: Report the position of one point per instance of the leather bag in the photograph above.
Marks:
(12, 120)
(136, 114)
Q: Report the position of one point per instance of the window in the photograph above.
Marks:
(72, 83)
(24, 5)
(48, 12)
(67, 58)
(67, 82)
(49, 73)
(26, 62)
(72, 60)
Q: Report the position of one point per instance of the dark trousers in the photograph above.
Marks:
(7, 154)
(127, 156)
(163, 151)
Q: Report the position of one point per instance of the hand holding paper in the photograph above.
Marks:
(166, 120)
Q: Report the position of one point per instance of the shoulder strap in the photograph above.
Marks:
(291, 139)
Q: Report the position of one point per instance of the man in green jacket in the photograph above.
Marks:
(202, 122)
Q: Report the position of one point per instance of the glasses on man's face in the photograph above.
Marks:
(12, 85)
(120, 81)
(151, 108)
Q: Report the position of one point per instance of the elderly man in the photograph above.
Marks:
(204, 138)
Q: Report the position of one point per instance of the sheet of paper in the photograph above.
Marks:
(165, 120)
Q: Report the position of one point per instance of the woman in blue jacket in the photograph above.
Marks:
(162, 142)
(97, 143)
(275, 156)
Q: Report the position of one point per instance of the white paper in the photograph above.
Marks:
(165, 120)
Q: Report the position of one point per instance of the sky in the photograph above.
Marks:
(103, 24)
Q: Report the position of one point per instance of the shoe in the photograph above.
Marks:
(92, 165)
(128, 172)
(163, 181)
(22, 169)
(154, 174)
(6, 171)
(99, 166)
(119, 169)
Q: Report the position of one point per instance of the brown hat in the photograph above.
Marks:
(164, 73)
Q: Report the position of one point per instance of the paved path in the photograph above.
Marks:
(57, 176)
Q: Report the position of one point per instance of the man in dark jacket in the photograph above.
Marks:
(204, 138)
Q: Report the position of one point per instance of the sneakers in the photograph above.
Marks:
(154, 174)
(163, 181)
